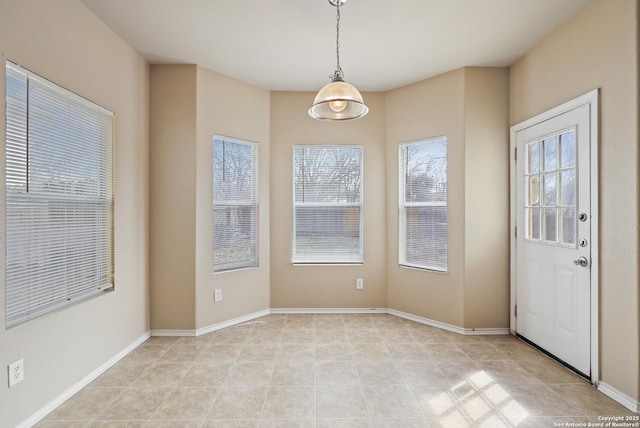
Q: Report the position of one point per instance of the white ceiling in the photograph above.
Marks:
(290, 44)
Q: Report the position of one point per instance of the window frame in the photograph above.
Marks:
(323, 259)
(34, 287)
(403, 205)
(253, 203)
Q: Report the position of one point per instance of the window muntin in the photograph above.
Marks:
(235, 204)
(423, 204)
(59, 196)
(327, 203)
(550, 189)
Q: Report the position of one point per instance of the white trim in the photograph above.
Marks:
(594, 112)
(232, 322)
(173, 333)
(619, 396)
(284, 311)
(51, 405)
(449, 327)
(588, 98)
(592, 99)
(421, 320)
(513, 145)
(487, 332)
(212, 327)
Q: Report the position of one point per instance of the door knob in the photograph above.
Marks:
(582, 261)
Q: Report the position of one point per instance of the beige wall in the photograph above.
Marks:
(190, 104)
(172, 201)
(234, 109)
(65, 43)
(427, 109)
(306, 286)
(486, 160)
(471, 107)
(598, 49)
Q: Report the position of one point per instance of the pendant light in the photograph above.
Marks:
(338, 100)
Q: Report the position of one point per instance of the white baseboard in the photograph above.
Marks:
(619, 396)
(213, 327)
(50, 406)
(449, 327)
(487, 331)
(284, 311)
(173, 333)
(232, 322)
(292, 311)
(438, 324)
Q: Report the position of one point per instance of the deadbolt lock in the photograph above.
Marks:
(583, 217)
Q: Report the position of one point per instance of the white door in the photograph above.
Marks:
(553, 236)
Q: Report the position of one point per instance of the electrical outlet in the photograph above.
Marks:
(16, 372)
(359, 284)
(217, 295)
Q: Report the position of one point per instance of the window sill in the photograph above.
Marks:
(424, 269)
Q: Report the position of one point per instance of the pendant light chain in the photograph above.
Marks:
(338, 101)
(338, 75)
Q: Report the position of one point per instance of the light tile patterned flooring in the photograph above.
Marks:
(331, 370)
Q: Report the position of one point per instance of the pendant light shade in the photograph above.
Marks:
(338, 101)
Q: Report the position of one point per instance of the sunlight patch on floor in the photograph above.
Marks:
(477, 401)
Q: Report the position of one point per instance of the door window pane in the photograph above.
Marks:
(569, 226)
(549, 154)
(549, 191)
(533, 223)
(568, 187)
(568, 149)
(550, 224)
(534, 191)
(533, 158)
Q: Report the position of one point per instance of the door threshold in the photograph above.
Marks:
(553, 357)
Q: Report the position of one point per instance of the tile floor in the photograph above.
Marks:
(334, 371)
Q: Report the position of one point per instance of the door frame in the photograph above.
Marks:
(590, 99)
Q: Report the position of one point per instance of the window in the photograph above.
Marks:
(327, 204)
(235, 204)
(423, 204)
(59, 197)
(550, 192)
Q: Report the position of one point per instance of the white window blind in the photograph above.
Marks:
(423, 204)
(327, 204)
(235, 204)
(59, 196)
